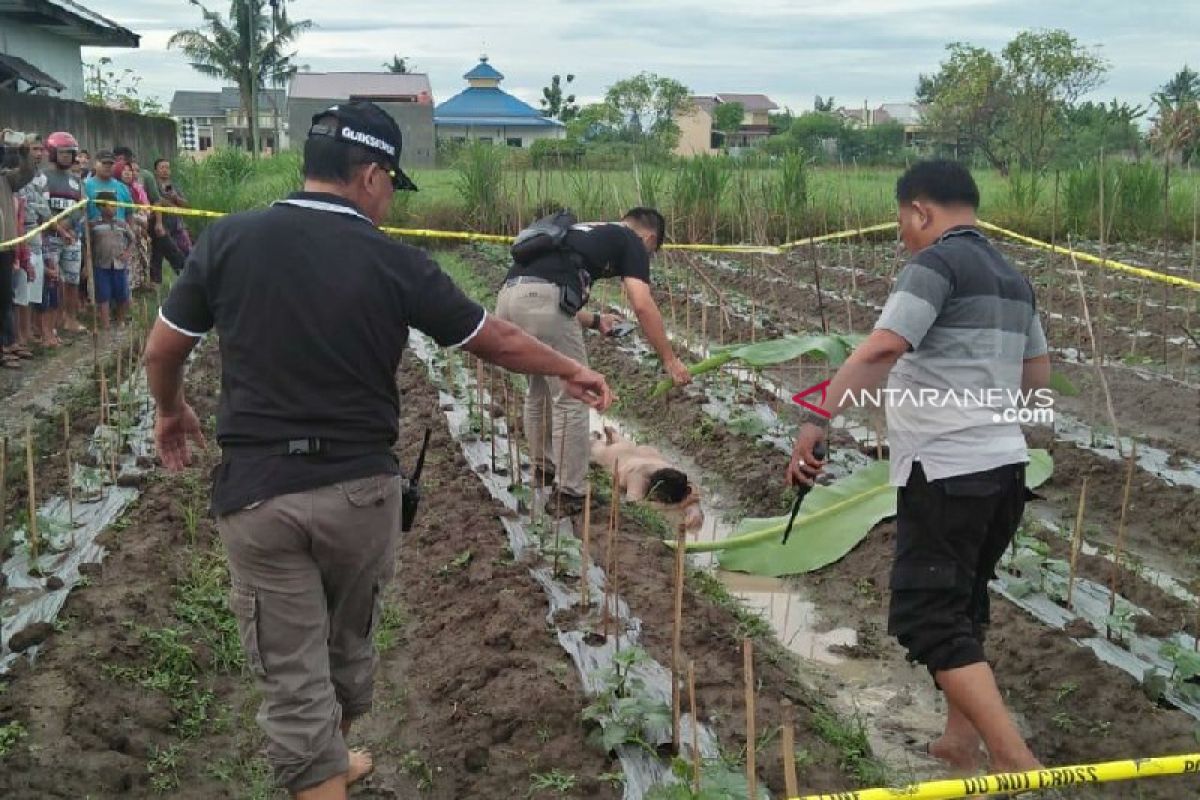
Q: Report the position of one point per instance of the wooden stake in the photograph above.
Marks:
(585, 552)
(3, 490)
(788, 745)
(1115, 584)
(562, 441)
(1076, 544)
(751, 735)
(103, 397)
(479, 391)
(34, 542)
(490, 415)
(696, 765)
(677, 636)
(609, 568)
(70, 483)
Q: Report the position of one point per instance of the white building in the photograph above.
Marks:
(40, 43)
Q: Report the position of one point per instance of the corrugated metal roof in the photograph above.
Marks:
(492, 103)
(752, 103)
(483, 71)
(185, 103)
(232, 99)
(341, 85)
(13, 67)
(82, 24)
(904, 113)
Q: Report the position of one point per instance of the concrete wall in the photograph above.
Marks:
(56, 56)
(95, 128)
(695, 133)
(500, 135)
(415, 121)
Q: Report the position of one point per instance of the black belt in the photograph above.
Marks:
(311, 446)
(517, 281)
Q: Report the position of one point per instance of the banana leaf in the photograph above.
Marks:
(833, 348)
(832, 522)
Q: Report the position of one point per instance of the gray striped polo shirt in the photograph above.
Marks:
(971, 321)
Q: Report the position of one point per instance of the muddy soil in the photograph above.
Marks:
(1070, 718)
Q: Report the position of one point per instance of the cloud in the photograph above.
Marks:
(789, 49)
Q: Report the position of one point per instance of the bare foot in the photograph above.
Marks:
(964, 759)
(361, 765)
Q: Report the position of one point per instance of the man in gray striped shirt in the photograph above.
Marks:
(961, 347)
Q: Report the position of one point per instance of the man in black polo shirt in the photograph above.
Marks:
(313, 305)
(533, 298)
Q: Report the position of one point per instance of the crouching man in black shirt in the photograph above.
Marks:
(532, 297)
(313, 304)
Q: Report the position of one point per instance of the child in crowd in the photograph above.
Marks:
(112, 243)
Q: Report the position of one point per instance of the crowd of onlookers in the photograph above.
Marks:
(124, 246)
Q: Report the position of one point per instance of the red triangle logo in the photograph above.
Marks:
(820, 387)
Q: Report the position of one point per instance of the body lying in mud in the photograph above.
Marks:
(643, 473)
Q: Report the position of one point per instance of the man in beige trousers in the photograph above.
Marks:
(544, 297)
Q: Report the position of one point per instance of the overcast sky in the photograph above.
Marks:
(791, 50)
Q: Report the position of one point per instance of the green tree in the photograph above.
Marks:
(1092, 127)
(556, 104)
(248, 48)
(104, 86)
(597, 122)
(1176, 129)
(647, 104)
(823, 105)
(1011, 107)
(727, 117)
(398, 65)
(811, 131)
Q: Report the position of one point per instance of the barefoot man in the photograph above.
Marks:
(959, 330)
(313, 305)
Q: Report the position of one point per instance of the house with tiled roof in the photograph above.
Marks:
(208, 120)
(484, 112)
(41, 41)
(698, 134)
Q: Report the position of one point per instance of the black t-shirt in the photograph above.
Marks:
(608, 250)
(312, 304)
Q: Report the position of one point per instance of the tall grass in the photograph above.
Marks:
(717, 198)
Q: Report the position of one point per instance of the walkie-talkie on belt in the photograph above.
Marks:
(412, 493)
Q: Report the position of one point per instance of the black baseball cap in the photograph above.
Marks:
(105, 155)
(367, 125)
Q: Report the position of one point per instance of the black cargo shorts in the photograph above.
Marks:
(950, 533)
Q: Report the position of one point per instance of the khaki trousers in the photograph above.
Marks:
(533, 307)
(308, 571)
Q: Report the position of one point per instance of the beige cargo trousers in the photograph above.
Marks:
(533, 307)
(308, 571)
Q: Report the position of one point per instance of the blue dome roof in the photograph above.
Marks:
(483, 71)
(491, 103)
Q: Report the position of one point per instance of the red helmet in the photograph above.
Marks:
(60, 140)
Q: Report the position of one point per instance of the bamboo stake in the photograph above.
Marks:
(676, 637)
(751, 735)
(70, 483)
(614, 569)
(704, 322)
(812, 249)
(696, 765)
(91, 281)
(608, 547)
(1115, 584)
(34, 542)
(788, 745)
(585, 552)
(562, 441)
(1076, 544)
(479, 391)
(3, 489)
(514, 447)
(104, 415)
(492, 417)
(1096, 352)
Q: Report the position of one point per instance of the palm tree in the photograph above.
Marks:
(1177, 126)
(248, 48)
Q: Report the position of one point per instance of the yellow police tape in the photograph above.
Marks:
(1031, 781)
(50, 223)
(423, 233)
(1141, 272)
